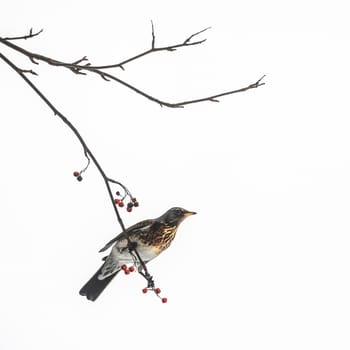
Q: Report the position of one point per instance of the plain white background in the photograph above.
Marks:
(265, 263)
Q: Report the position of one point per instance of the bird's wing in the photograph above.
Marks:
(113, 263)
(109, 244)
(140, 226)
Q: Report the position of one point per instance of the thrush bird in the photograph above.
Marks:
(148, 237)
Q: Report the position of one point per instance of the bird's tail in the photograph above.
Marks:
(94, 286)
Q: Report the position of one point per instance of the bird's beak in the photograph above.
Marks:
(189, 213)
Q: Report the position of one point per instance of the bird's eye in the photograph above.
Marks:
(179, 211)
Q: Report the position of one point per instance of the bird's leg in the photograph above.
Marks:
(148, 278)
(141, 266)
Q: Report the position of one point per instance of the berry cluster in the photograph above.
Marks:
(125, 200)
(127, 270)
(121, 202)
(77, 174)
(157, 291)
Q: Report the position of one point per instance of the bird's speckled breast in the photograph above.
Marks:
(159, 237)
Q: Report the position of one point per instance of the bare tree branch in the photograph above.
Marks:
(86, 149)
(77, 68)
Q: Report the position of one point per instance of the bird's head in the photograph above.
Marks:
(175, 216)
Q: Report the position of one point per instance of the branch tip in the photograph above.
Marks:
(30, 35)
(195, 34)
(32, 60)
(28, 71)
(153, 36)
(80, 60)
(259, 81)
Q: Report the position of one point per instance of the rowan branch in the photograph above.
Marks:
(86, 149)
(77, 68)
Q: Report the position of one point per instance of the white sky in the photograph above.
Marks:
(265, 263)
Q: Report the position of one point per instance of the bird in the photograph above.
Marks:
(148, 237)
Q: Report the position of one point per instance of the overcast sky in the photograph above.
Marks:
(265, 263)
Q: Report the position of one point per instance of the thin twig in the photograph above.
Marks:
(81, 60)
(28, 71)
(186, 42)
(214, 97)
(25, 37)
(153, 38)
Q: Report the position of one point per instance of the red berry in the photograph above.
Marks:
(121, 204)
(157, 290)
(129, 209)
(76, 173)
(136, 204)
(127, 271)
(134, 199)
(117, 201)
(144, 290)
(131, 268)
(117, 193)
(124, 267)
(164, 300)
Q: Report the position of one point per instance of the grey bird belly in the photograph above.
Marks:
(120, 255)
